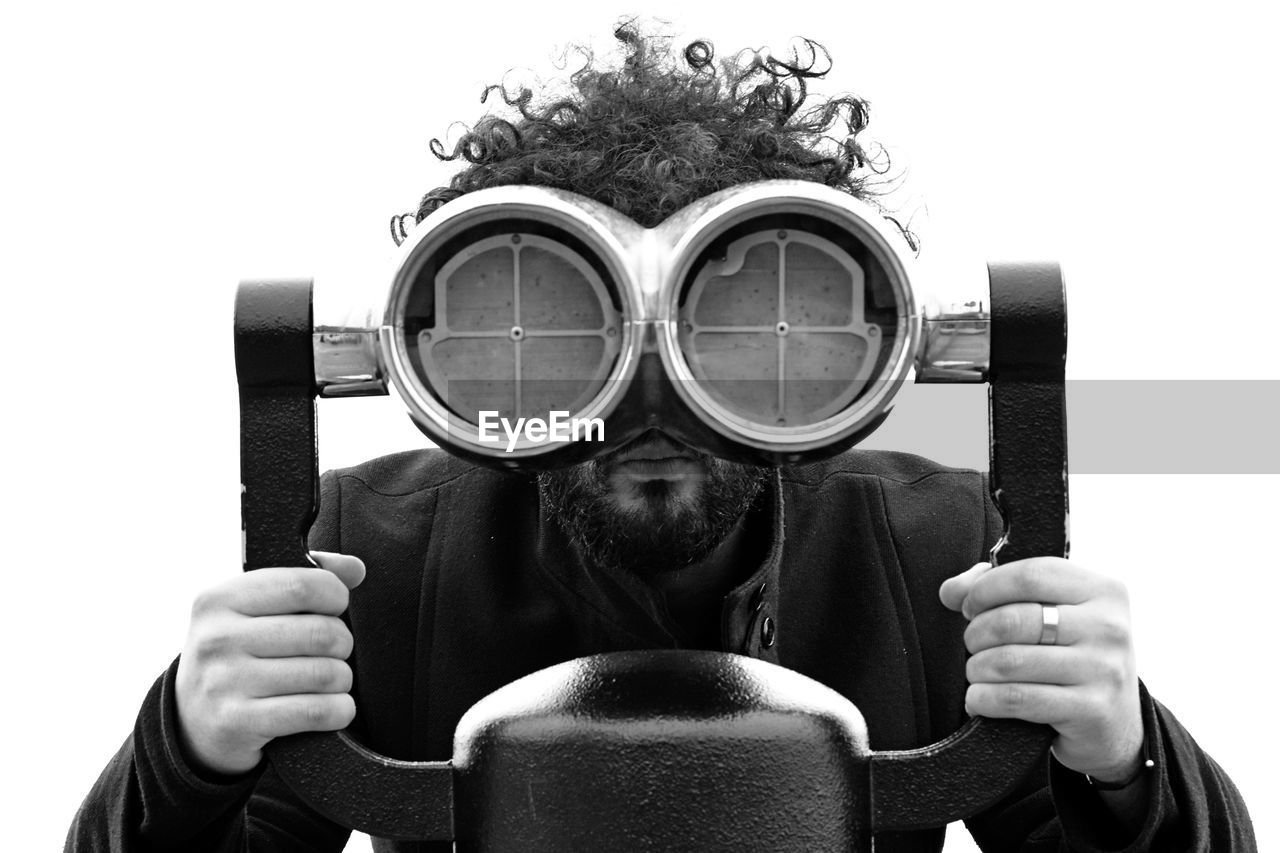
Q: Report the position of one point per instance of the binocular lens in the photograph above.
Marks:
(771, 321)
(517, 324)
(780, 327)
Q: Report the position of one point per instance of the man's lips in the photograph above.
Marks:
(654, 448)
(657, 458)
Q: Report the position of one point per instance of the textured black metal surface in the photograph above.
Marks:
(277, 421)
(954, 778)
(662, 750)
(336, 775)
(1028, 468)
(1028, 409)
(1028, 321)
(979, 764)
(355, 787)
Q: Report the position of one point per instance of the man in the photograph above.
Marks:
(457, 580)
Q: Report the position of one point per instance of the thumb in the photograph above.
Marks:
(350, 570)
(955, 590)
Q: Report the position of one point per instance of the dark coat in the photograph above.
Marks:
(470, 586)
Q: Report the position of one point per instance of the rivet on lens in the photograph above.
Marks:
(782, 235)
(611, 332)
(873, 331)
(515, 238)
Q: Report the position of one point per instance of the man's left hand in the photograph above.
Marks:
(1084, 685)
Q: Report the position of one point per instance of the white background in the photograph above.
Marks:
(154, 155)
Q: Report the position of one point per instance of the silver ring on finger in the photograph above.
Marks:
(1048, 624)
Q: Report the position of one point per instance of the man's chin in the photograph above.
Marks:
(618, 516)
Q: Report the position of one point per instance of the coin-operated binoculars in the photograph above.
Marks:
(774, 323)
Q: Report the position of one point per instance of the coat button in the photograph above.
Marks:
(768, 632)
(757, 598)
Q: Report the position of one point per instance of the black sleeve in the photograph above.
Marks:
(1191, 805)
(149, 798)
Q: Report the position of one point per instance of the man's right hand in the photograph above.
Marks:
(266, 656)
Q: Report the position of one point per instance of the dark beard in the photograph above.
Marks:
(666, 533)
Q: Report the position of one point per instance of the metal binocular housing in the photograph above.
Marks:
(772, 322)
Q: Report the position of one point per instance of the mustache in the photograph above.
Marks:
(653, 439)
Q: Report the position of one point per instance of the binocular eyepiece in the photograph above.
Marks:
(771, 322)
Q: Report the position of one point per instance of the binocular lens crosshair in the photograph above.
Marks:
(773, 322)
(777, 320)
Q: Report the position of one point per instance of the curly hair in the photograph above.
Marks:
(663, 130)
